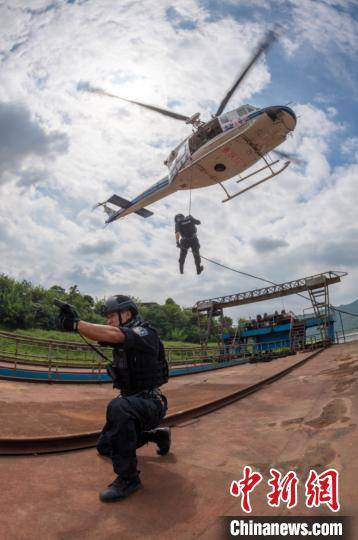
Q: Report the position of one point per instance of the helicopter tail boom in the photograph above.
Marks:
(157, 191)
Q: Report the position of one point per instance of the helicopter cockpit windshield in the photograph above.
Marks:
(237, 117)
(246, 109)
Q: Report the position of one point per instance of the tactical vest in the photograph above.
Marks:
(187, 227)
(135, 371)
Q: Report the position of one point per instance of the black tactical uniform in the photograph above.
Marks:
(139, 368)
(186, 227)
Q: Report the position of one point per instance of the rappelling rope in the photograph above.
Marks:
(248, 275)
(238, 271)
(94, 348)
(191, 178)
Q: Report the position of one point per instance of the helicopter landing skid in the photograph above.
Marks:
(267, 166)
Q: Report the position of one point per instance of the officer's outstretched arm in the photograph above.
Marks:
(100, 332)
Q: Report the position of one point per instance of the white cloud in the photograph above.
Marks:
(349, 148)
(22, 141)
(47, 231)
(325, 26)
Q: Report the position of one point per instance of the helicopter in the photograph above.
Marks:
(217, 150)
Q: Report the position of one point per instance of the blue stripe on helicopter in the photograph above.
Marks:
(159, 185)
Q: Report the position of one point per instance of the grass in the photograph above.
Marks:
(75, 338)
(46, 334)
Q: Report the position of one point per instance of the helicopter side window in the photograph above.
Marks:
(173, 154)
(204, 134)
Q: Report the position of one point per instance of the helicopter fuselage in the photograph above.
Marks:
(218, 150)
(244, 138)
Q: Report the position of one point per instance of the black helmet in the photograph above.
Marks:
(119, 303)
(179, 217)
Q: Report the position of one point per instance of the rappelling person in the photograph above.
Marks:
(138, 369)
(185, 234)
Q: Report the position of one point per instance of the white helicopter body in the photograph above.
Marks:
(217, 150)
(223, 148)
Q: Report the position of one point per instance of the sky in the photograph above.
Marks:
(63, 150)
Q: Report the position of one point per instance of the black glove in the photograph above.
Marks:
(178, 244)
(68, 319)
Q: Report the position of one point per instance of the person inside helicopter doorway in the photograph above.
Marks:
(185, 234)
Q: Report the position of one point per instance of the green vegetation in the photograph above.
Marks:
(23, 305)
(44, 334)
(29, 309)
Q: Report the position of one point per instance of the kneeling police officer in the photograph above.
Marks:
(138, 369)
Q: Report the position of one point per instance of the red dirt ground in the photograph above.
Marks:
(43, 409)
(306, 420)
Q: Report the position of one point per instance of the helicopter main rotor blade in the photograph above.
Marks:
(165, 112)
(270, 37)
(294, 159)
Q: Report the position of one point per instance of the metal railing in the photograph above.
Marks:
(37, 351)
(55, 355)
(346, 337)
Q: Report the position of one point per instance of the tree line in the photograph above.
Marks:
(25, 306)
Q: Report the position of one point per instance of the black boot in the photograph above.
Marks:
(120, 489)
(181, 268)
(162, 437)
(199, 269)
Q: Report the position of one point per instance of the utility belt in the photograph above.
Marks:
(189, 237)
(155, 393)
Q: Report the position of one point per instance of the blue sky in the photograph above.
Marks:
(63, 150)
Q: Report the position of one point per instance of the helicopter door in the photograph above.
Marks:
(183, 155)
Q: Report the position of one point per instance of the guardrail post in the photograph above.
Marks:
(99, 370)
